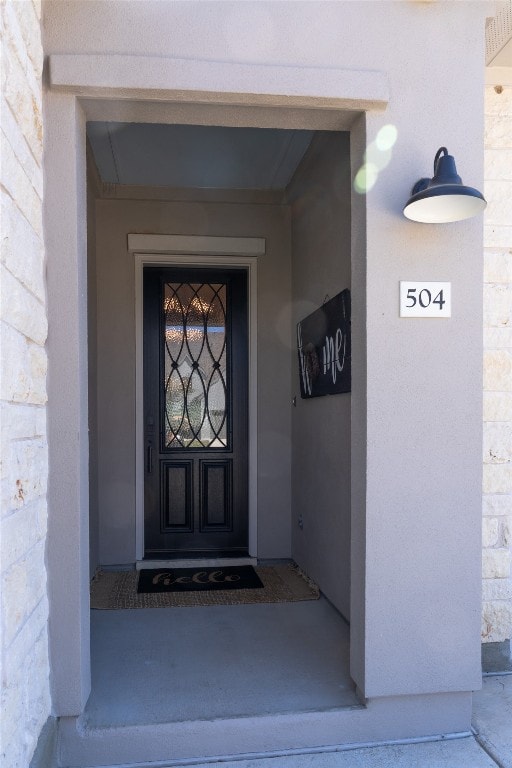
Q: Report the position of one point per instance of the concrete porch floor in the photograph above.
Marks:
(179, 664)
(195, 686)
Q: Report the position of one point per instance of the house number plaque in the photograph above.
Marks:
(430, 299)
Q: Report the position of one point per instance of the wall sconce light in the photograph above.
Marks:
(443, 198)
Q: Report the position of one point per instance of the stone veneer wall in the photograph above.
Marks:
(25, 697)
(497, 470)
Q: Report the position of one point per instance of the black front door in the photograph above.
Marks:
(195, 412)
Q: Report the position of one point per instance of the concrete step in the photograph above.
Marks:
(207, 741)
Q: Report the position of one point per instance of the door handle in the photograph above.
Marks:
(150, 459)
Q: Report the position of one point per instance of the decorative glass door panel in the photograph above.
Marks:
(195, 370)
(195, 411)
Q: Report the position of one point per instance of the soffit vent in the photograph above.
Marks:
(498, 31)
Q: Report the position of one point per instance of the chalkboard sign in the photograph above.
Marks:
(323, 340)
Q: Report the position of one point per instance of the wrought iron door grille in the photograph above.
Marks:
(195, 365)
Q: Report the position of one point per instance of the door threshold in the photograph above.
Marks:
(204, 562)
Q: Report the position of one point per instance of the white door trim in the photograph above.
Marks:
(197, 258)
(193, 245)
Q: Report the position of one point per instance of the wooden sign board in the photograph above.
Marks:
(323, 340)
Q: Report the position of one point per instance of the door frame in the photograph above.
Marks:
(199, 251)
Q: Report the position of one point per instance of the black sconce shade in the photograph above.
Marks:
(443, 198)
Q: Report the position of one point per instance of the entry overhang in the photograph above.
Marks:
(162, 79)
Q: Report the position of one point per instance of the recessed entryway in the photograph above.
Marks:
(291, 246)
(274, 482)
(114, 212)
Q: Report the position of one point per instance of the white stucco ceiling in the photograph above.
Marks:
(192, 156)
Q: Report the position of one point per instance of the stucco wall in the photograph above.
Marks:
(93, 191)
(25, 700)
(320, 202)
(497, 470)
(115, 291)
(419, 520)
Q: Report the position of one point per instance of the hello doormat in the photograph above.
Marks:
(282, 583)
(198, 579)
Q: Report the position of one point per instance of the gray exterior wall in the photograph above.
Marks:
(115, 291)
(321, 252)
(93, 190)
(417, 522)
